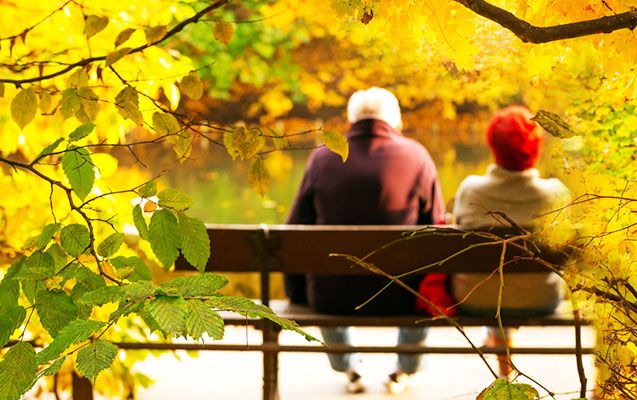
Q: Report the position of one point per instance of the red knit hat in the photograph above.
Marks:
(515, 140)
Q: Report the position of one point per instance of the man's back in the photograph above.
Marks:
(387, 179)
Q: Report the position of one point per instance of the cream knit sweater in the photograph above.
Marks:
(521, 196)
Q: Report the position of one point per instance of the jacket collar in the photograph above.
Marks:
(371, 127)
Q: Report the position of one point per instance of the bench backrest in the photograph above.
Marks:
(397, 249)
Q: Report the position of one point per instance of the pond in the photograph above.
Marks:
(221, 194)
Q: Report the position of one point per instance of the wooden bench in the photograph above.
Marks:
(269, 249)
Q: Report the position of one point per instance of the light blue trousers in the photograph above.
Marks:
(342, 362)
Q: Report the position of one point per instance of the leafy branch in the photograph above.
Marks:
(90, 60)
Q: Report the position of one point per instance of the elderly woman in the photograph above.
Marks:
(512, 186)
(387, 179)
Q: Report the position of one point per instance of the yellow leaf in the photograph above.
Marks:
(115, 56)
(337, 143)
(553, 124)
(165, 124)
(127, 103)
(123, 36)
(46, 102)
(259, 177)
(79, 78)
(243, 142)
(191, 86)
(70, 103)
(1, 89)
(94, 24)
(155, 34)
(89, 105)
(223, 31)
(24, 106)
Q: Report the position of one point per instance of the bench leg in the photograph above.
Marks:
(270, 363)
(82, 388)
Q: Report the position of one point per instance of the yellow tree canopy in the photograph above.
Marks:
(83, 83)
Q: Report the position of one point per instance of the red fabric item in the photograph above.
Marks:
(433, 287)
(515, 140)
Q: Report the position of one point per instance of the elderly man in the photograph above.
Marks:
(387, 179)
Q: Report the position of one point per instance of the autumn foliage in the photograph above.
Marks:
(87, 86)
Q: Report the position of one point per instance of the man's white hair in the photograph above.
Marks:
(375, 103)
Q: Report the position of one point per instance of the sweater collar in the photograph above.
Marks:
(371, 127)
(497, 171)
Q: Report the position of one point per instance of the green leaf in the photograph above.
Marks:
(79, 169)
(37, 266)
(165, 124)
(136, 291)
(155, 34)
(94, 358)
(101, 296)
(194, 286)
(170, 313)
(140, 222)
(141, 271)
(202, 319)
(47, 234)
(60, 258)
(500, 389)
(259, 177)
(24, 107)
(164, 236)
(50, 148)
(55, 367)
(115, 56)
(123, 36)
(86, 281)
(242, 305)
(81, 132)
(76, 331)
(337, 143)
(94, 24)
(125, 308)
(55, 309)
(127, 103)
(174, 199)
(9, 293)
(110, 245)
(243, 142)
(149, 189)
(17, 371)
(191, 86)
(195, 243)
(74, 239)
(10, 319)
(223, 31)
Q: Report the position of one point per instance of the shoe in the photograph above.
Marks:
(355, 383)
(398, 382)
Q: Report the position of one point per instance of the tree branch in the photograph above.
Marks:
(535, 34)
(176, 29)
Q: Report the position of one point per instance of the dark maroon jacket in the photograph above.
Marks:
(387, 180)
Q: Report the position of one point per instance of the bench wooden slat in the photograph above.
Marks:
(303, 248)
